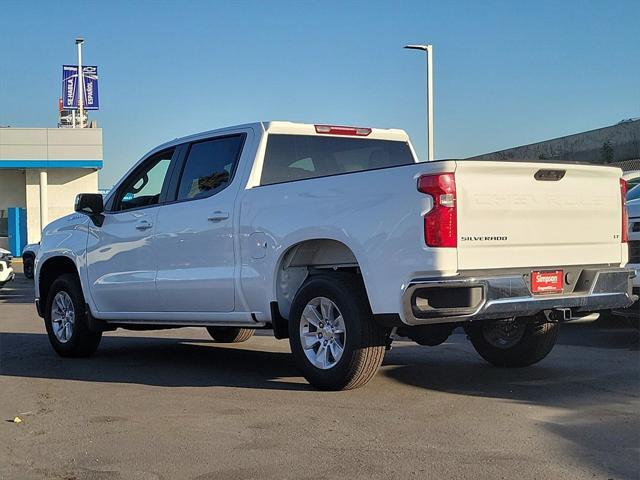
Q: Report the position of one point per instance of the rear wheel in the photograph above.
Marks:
(66, 319)
(513, 343)
(333, 337)
(230, 334)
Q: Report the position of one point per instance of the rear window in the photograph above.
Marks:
(297, 157)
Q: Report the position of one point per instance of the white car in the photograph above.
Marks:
(6, 269)
(337, 238)
(633, 209)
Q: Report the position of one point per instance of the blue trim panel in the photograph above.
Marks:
(51, 164)
(17, 230)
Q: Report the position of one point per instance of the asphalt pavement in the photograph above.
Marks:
(172, 404)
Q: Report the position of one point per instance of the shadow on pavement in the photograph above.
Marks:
(610, 335)
(167, 362)
(593, 392)
(590, 381)
(20, 290)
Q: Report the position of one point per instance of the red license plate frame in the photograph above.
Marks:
(545, 282)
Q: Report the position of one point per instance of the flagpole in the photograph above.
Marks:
(79, 42)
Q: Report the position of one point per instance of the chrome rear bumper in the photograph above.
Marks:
(509, 295)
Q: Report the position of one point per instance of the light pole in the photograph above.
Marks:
(79, 42)
(428, 49)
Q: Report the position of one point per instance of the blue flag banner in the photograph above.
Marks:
(70, 87)
(90, 80)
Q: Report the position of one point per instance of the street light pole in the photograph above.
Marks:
(79, 42)
(428, 49)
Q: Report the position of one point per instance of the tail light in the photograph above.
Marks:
(625, 216)
(441, 222)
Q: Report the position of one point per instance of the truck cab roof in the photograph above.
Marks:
(292, 128)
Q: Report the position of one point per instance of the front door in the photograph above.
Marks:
(194, 235)
(121, 264)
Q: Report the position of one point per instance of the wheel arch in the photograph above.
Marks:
(305, 258)
(52, 268)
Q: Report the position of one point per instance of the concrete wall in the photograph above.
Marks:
(70, 156)
(63, 186)
(51, 144)
(605, 145)
(12, 194)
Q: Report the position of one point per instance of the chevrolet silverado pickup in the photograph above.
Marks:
(340, 240)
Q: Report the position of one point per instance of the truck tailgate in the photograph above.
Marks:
(510, 215)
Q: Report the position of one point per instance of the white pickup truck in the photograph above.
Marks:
(337, 238)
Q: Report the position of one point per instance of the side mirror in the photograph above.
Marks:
(89, 203)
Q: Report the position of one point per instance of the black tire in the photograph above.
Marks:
(230, 334)
(535, 344)
(364, 341)
(27, 266)
(83, 342)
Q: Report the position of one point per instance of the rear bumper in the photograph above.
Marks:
(632, 312)
(457, 299)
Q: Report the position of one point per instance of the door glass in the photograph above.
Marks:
(209, 167)
(143, 188)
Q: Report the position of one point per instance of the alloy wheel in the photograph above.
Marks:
(63, 317)
(322, 333)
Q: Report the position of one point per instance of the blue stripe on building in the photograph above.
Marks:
(51, 164)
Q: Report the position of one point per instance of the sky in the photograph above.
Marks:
(506, 73)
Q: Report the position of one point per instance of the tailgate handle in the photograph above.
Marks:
(546, 175)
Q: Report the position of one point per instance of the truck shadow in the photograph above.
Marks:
(167, 362)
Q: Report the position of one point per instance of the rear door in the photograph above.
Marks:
(517, 214)
(194, 235)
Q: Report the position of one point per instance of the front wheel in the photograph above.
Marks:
(333, 337)
(513, 343)
(66, 319)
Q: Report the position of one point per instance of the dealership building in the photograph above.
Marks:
(41, 171)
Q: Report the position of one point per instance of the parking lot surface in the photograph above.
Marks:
(172, 404)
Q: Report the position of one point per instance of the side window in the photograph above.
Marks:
(209, 167)
(144, 186)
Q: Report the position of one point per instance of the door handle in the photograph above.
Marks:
(217, 216)
(143, 225)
